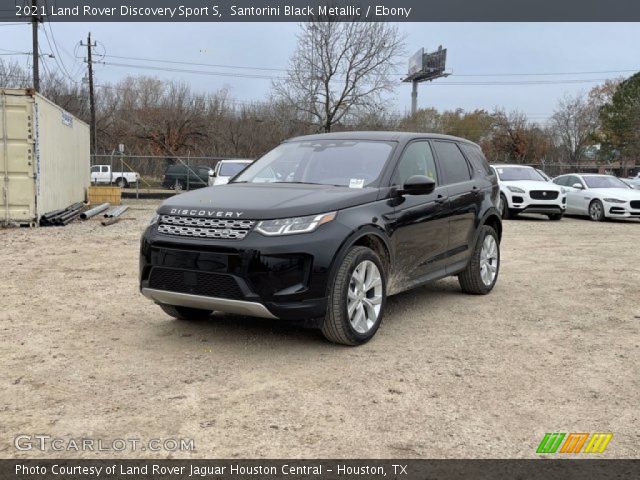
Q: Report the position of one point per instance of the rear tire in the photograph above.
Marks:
(185, 313)
(481, 273)
(555, 216)
(596, 211)
(357, 298)
(122, 182)
(178, 186)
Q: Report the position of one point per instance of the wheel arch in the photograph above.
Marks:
(370, 236)
(493, 220)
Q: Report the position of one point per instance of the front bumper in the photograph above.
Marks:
(272, 277)
(621, 210)
(523, 203)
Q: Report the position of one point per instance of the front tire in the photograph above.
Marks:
(357, 298)
(596, 211)
(185, 313)
(555, 216)
(481, 273)
(504, 208)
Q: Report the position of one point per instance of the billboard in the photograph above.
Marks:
(427, 66)
(415, 62)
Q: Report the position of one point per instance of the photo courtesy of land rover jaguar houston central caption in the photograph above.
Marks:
(324, 228)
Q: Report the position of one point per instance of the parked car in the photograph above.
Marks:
(544, 175)
(629, 183)
(102, 174)
(599, 196)
(183, 177)
(634, 181)
(227, 169)
(327, 227)
(524, 190)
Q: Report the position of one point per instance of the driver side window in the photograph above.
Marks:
(417, 159)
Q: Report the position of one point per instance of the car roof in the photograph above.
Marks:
(588, 174)
(378, 135)
(510, 165)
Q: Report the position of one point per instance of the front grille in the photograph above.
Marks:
(635, 203)
(196, 283)
(202, 227)
(543, 194)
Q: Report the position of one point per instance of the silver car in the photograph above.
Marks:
(599, 196)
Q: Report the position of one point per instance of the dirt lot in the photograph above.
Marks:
(555, 347)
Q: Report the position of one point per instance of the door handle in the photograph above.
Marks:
(441, 199)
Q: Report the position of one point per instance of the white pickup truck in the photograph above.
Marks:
(102, 174)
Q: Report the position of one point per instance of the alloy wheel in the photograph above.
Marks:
(489, 260)
(595, 211)
(364, 296)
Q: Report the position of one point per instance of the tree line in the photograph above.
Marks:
(337, 80)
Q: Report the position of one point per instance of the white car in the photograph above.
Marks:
(227, 169)
(524, 190)
(599, 196)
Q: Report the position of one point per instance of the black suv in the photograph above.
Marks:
(326, 227)
(183, 177)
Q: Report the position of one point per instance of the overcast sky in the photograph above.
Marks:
(473, 49)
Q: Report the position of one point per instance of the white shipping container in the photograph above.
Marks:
(44, 157)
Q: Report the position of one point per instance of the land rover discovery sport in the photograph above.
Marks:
(325, 228)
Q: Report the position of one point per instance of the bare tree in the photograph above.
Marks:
(574, 125)
(339, 68)
(12, 75)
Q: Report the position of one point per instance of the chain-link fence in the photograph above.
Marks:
(554, 169)
(161, 175)
(154, 173)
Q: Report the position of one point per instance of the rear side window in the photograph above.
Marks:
(174, 169)
(453, 165)
(476, 157)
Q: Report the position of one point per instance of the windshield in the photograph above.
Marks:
(347, 163)
(231, 169)
(604, 181)
(507, 174)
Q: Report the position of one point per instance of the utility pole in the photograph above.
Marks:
(35, 19)
(92, 105)
(414, 97)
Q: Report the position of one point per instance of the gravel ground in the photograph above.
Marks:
(555, 347)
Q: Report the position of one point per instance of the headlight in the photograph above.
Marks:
(614, 200)
(154, 219)
(515, 189)
(290, 226)
(563, 190)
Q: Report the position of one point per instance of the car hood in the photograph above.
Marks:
(265, 201)
(532, 185)
(619, 193)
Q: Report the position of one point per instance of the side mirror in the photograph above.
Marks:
(212, 173)
(418, 185)
(578, 186)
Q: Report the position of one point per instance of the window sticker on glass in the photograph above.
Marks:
(356, 183)
(500, 171)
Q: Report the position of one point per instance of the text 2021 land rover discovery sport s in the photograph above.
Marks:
(327, 227)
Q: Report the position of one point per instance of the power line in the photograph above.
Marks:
(279, 69)
(197, 72)
(268, 77)
(58, 57)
